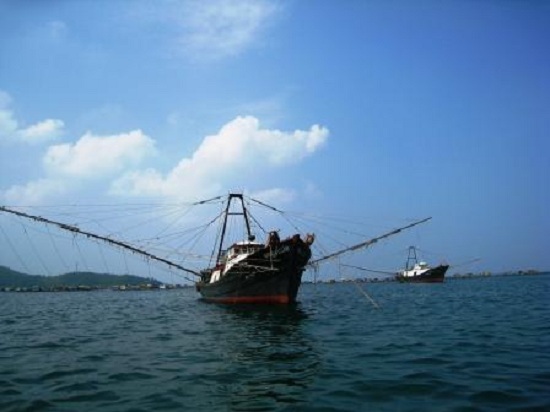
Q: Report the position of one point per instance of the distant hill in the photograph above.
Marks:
(13, 279)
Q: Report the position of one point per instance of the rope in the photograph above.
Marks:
(14, 250)
(57, 252)
(366, 295)
(38, 256)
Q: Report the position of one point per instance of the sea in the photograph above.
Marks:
(479, 344)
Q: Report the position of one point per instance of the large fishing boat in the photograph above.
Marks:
(253, 272)
(241, 269)
(419, 271)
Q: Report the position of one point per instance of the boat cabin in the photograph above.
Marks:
(236, 253)
(418, 269)
(242, 248)
(238, 249)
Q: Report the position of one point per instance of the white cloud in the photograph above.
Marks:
(10, 129)
(8, 124)
(91, 157)
(33, 192)
(239, 147)
(43, 131)
(97, 156)
(217, 28)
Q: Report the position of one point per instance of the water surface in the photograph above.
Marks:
(466, 345)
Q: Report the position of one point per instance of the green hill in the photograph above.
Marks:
(10, 278)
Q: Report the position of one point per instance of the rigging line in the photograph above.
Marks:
(256, 222)
(126, 263)
(174, 222)
(335, 222)
(14, 250)
(199, 235)
(142, 223)
(103, 222)
(33, 247)
(76, 230)
(364, 292)
(57, 252)
(282, 213)
(265, 205)
(369, 270)
(178, 234)
(184, 277)
(319, 234)
(77, 246)
(208, 200)
(367, 243)
(97, 217)
(103, 258)
(218, 237)
(111, 205)
(290, 222)
(466, 263)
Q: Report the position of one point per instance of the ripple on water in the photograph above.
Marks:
(426, 348)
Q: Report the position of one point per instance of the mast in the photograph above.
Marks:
(227, 213)
(411, 256)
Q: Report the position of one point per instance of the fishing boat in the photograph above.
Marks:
(240, 269)
(254, 272)
(419, 271)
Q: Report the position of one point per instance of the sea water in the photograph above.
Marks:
(476, 344)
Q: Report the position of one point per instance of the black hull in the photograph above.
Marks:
(266, 277)
(255, 287)
(434, 275)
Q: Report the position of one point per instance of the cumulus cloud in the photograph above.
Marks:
(239, 147)
(66, 166)
(43, 131)
(10, 130)
(34, 192)
(8, 124)
(97, 156)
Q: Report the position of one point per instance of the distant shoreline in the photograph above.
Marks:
(13, 281)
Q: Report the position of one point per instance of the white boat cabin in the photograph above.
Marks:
(235, 254)
(417, 269)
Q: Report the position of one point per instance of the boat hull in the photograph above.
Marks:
(433, 275)
(255, 287)
(266, 277)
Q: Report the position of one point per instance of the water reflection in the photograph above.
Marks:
(273, 358)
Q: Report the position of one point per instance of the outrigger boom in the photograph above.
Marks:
(366, 243)
(79, 231)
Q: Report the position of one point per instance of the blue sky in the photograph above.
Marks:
(383, 111)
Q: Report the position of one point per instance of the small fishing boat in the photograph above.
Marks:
(420, 272)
